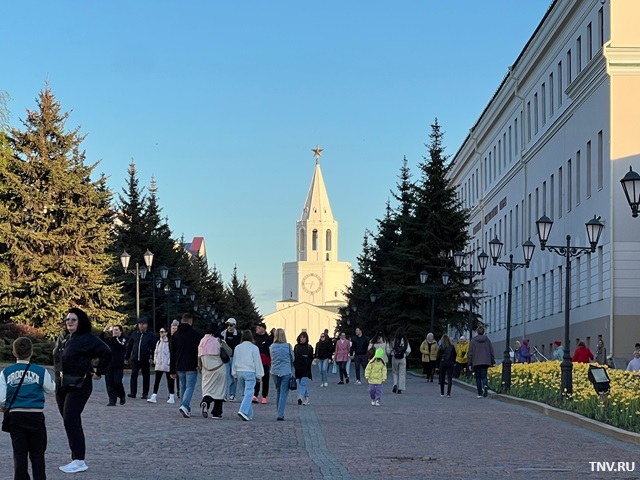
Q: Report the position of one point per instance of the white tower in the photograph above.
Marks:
(317, 277)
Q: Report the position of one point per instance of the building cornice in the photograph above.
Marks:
(622, 60)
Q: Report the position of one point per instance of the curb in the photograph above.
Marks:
(564, 415)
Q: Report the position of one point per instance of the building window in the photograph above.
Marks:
(551, 100)
(535, 113)
(515, 131)
(600, 161)
(560, 192)
(510, 147)
(600, 28)
(569, 63)
(544, 198)
(560, 92)
(569, 185)
(328, 240)
(579, 55)
(544, 295)
(578, 179)
(543, 102)
(528, 121)
(589, 169)
(302, 240)
(314, 240)
(490, 175)
(504, 150)
(552, 199)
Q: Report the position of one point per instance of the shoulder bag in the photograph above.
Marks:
(225, 351)
(293, 383)
(6, 422)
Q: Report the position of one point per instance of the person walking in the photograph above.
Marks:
(601, 353)
(376, 374)
(74, 351)
(323, 352)
(162, 362)
(462, 357)
(341, 355)
(247, 371)
(582, 354)
(558, 351)
(481, 357)
(115, 370)
(231, 336)
(429, 350)
(282, 359)
(263, 341)
(184, 361)
(380, 341)
(174, 328)
(359, 347)
(446, 360)
(401, 349)
(214, 373)
(303, 353)
(140, 346)
(22, 389)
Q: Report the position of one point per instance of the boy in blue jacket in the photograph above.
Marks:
(26, 407)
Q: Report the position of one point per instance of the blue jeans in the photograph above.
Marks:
(323, 366)
(282, 390)
(303, 390)
(187, 386)
(231, 382)
(246, 384)
(481, 377)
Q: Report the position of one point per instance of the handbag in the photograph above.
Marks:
(225, 352)
(293, 383)
(6, 422)
(70, 380)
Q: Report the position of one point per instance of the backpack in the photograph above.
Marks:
(399, 351)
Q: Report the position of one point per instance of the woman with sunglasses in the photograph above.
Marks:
(75, 348)
(161, 361)
(324, 351)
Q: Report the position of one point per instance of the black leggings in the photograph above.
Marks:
(263, 384)
(446, 371)
(71, 402)
(156, 383)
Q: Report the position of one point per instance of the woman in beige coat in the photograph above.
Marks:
(429, 350)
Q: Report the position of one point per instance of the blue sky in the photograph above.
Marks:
(222, 103)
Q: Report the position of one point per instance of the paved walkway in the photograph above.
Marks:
(340, 436)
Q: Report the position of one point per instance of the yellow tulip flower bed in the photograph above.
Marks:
(541, 382)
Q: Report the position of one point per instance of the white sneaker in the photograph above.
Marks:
(377, 403)
(153, 398)
(373, 402)
(172, 398)
(306, 401)
(321, 385)
(185, 413)
(326, 384)
(232, 398)
(358, 382)
(74, 467)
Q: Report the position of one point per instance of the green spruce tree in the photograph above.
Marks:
(54, 226)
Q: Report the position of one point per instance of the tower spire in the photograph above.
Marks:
(317, 152)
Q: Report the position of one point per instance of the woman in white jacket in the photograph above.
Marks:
(161, 361)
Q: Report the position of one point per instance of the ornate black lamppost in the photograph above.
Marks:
(483, 261)
(139, 273)
(424, 276)
(631, 186)
(594, 229)
(495, 248)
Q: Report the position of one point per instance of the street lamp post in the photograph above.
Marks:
(424, 276)
(495, 248)
(594, 229)
(167, 293)
(631, 186)
(139, 273)
(483, 261)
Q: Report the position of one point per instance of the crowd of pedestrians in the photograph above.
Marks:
(235, 366)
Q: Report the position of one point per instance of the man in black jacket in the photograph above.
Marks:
(359, 347)
(263, 341)
(140, 347)
(184, 361)
(232, 338)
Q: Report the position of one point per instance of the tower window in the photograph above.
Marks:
(302, 240)
(328, 240)
(314, 240)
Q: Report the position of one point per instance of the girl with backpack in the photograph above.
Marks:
(400, 350)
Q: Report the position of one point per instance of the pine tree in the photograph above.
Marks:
(240, 303)
(54, 228)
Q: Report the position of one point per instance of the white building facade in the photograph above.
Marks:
(559, 133)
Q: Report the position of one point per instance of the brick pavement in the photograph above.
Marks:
(414, 435)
